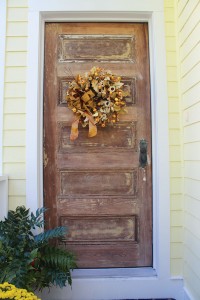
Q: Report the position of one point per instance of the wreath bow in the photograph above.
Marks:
(96, 99)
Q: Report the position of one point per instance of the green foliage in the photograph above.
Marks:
(28, 260)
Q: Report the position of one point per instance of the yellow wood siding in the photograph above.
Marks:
(189, 45)
(15, 100)
(176, 170)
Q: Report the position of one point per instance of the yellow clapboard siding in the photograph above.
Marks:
(191, 281)
(191, 78)
(175, 185)
(190, 24)
(15, 170)
(15, 105)
(186, 12)
(176, 266)
(171, 58)
(169, 29)
(172, 89)
(191, 133)
(189, 43)
(15, 201)
(15, 90)
(175, 152)
(176, 218)
(170, 43)
(14, 74)
(191, 60)
(17, 14)
(192, 188)
(15, 121)
(176, 169)
(191, 114)
(14, 154)
(191, 96)
(16, 43)
(17, 29)
(173, 105)
(172, 73)
(192, 151)
(176, 250)
(176, 234)
(14, 138)
(176, 202)
(17, 3)
(174, 121)
(192, 206)
(18, 59)
(191, 169)
(17, 188)
(169, 14)
(174, 138)
(192, 224)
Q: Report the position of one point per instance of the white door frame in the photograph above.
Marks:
(116, 283)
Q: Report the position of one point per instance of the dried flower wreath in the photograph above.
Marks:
(96, 98)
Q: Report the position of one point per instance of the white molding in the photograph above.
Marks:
(108, 285)
(2, 72)
(4, 196)
(186, 294)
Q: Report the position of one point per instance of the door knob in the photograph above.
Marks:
(143, 153)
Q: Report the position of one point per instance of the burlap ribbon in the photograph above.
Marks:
(74, 128)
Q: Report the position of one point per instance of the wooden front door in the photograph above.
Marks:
(96, 186)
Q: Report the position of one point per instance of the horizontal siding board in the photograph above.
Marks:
(191, 114)
(191, 169)
(17, 14)
(191, 96)
(191, 133)
(187, 12)
(176, 202)
(14, 138)
(15, 121)
(175, 153)
(174, 137)
(16, 43)
(14, 154)
(192, 151)
(191, 60)
(192, 206)
(176, 234)
(191, 281)
(190, 25)
(15, 105)
(192, 224)
(192, 188)
(189, 43)
(15, 201)
(15, 170)
(175, 169)
(17, 29)
(176, 250)
(15, 90)
(17, 3)
(176, 218)
(15, 74)
(190, 79)
(176, 266)
(17, 188)
(18, 59)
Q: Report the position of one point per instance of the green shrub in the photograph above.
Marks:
(27, 259)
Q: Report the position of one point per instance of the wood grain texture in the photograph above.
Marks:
(95, 185)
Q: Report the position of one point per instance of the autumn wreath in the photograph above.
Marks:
(96, 98)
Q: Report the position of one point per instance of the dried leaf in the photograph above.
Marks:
(74, 130)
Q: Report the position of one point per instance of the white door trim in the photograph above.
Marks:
(3, 13)
(118, 284)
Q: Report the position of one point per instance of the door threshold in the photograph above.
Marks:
(114, 273)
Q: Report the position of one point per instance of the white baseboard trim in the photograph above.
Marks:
(186, 294)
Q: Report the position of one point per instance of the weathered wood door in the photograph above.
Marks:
(95, 185)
